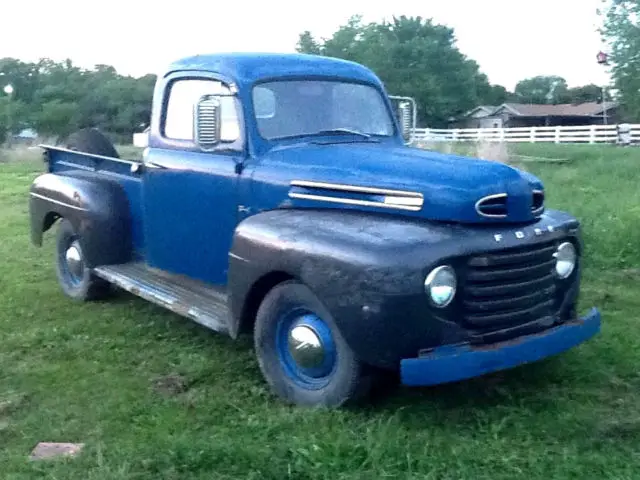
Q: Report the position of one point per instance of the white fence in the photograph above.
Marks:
(580, 134)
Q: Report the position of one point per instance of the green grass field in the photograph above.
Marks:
(89, 373)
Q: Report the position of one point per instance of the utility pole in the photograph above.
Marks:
(603, 59)
(8, 89)
(604, 103)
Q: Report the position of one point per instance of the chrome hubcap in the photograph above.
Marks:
(73, 257)
(305, 347)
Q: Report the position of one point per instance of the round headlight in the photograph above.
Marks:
(565, 259)
(440, 285)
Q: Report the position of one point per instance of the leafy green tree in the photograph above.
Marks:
(588, 93)
(57, 117)
(542, 89)
(491, 94)
(621, 30)
(57, 97)
(307, 44)
(413, 56)
(14, 115)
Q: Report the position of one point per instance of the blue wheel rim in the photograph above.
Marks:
(319, 375)
(73, 274)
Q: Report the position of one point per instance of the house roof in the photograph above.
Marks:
(588, 109)
(485, 109)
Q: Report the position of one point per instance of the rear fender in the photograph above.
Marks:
(97, 207)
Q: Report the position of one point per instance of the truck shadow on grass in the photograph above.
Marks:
(536, 384)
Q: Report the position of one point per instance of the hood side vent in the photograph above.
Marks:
(356, 195)
(492, 206)
(537, 204)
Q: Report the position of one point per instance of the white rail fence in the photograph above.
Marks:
(579, 134)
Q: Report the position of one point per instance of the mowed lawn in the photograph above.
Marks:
(103, 374)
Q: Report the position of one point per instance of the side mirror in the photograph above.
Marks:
(207, 122)
(407, 116)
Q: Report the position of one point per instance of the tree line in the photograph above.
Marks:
(416, 57)
(412, 55)
(57, 98)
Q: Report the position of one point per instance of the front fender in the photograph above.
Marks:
(369, 271)
(96, 206)
(360, 266)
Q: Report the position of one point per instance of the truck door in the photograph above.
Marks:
(189, 195)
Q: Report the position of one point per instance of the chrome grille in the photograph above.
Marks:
(510, 287)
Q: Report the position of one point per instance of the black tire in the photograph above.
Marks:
(348, 382)
(77, 282)
(91, 140)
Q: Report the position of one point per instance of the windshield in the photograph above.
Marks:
(307, 107)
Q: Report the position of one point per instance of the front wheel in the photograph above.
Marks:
(301, 352)
(75, 278)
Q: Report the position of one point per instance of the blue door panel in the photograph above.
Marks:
(190, 211)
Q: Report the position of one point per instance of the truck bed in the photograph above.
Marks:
(61, 159)
(126, 173)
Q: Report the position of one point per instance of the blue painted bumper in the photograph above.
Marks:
(453, 363)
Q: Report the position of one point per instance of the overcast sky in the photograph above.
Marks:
(510, 39)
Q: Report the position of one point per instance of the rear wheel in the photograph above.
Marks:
(301, 352)
(75, 278)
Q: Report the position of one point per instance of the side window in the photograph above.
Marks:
(264, 102)
(183, 95)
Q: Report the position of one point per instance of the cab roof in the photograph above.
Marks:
(248, 68)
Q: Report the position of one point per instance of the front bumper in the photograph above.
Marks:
(452, 363)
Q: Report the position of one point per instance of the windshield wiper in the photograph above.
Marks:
(342, 131)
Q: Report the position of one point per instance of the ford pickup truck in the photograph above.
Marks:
(280, 196)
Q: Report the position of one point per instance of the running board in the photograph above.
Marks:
(202, 303)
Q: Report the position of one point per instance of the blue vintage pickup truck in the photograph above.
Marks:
(279, 196)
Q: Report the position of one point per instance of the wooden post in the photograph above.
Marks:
(557, 134)
(592, 134)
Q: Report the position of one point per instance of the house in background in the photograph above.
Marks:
(479, 117)
(509, 115)
(26, 137)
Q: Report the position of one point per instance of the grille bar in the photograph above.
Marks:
(510, 302)
(510, 273)
(511, 258)
(511, 287)
(517, 316)
(502, 289)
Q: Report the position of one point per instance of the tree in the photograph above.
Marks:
(307, 43)
(588, 93)
(57, 117)
(414, 57)
(57, 97)
(491, 94)
(621, 30)
(542, 89)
